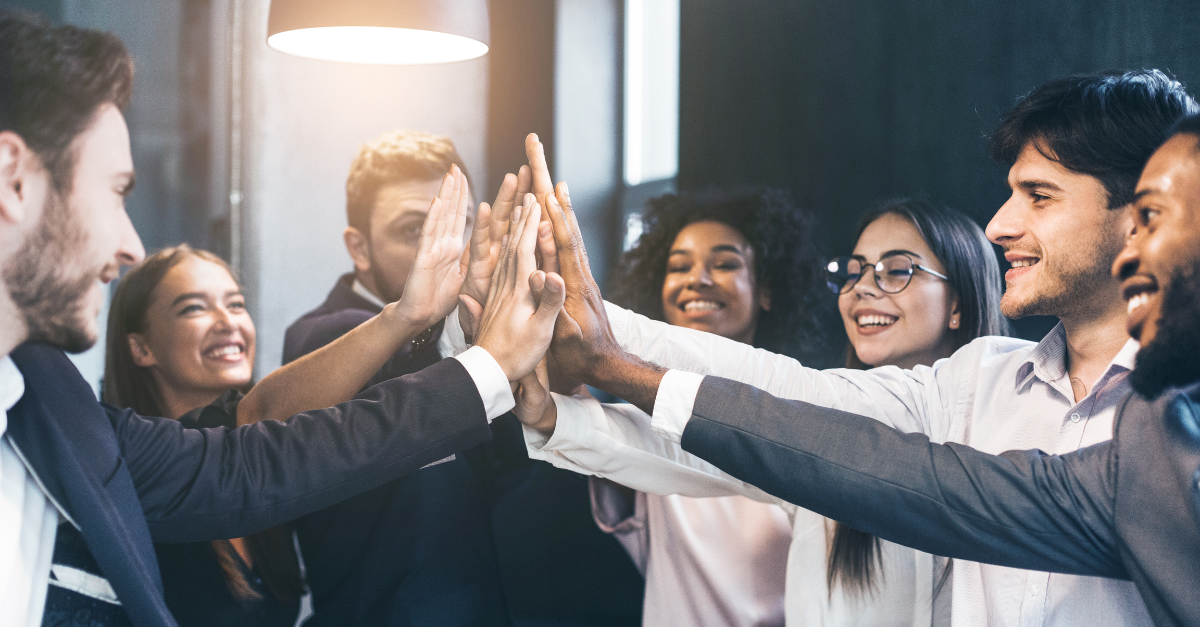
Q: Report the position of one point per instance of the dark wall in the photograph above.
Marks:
(848, 103)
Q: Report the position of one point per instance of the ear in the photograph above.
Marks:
(15, 162)
(358, 247)
(955, 312)
(764, 298)
(141, 351)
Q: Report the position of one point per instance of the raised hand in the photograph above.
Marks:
(440, 267)
(584, 346)
(516, 325)
(491, 225)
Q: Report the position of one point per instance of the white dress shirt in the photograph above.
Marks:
(28, 521)
(995, 394)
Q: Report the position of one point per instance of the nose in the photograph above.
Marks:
(699, 276)
(1005, 226)
(1127, 262)
(223, 320)
(130, 251)
(865, 286)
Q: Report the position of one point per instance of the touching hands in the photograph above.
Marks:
(487, 239)
(440, 267)
(522, 302)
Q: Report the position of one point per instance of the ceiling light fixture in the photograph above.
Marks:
(380, 32)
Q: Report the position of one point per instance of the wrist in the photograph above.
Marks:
(403, 322)
(628, 377)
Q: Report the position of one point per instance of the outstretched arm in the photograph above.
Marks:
(1023, 509)
(338, 370)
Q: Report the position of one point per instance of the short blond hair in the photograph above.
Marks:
(394, 157)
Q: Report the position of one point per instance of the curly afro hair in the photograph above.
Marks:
(786, 261)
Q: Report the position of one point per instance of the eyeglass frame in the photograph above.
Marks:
(875, 270)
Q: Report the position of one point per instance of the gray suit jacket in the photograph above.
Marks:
(1126, 509)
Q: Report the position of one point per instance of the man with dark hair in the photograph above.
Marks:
(86, 488)
(1128, 508)
(1074, 147)
(451, 543)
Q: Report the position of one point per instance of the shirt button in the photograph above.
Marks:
(1033, 591)
(1075, 417)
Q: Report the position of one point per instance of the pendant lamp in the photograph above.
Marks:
(380, 32)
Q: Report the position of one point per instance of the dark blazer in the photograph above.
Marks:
(490, 538)
(1125, 509)
(129, 480)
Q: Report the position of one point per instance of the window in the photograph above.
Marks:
(651, 90)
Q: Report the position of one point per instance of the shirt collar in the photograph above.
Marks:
(1048, 360)
(12, 388)
(362, 290)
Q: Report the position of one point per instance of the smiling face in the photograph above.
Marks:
(198, 340)
(710, 283)
(80, 241)
(1060, 238)
(908, 328)
(1166, 232)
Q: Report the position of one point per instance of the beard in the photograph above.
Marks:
(1068, 289)
(387, 292)
(1170, 359)
(48, 291)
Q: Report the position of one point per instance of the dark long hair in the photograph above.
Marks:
(786, 261)
(974, 274)
(128, 385)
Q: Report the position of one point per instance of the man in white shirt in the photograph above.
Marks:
(1075, 148)
(123, 481)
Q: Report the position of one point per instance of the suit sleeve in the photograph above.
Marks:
(1022, 509)
(204, 484)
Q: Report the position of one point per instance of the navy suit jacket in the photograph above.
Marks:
(128, 480)
(490, 538)
(1126, 509)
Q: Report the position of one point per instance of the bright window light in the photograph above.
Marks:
(651, 90)
(376, 45)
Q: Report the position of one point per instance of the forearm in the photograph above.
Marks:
(331, 374)
(203, 484)
(629, 378)
(1023, 509)
(617, 442)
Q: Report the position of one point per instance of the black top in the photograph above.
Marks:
(1128, 508)
(490, 538)
(129, 480)
(194, 584)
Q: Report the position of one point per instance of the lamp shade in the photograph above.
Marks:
(382, 32)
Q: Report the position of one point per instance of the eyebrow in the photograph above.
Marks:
(719, 248)
(201, 296)
(1142, 194)
(410, 213)
(894, 251)
(1036, 184)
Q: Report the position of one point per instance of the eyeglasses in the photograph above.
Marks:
(893, 273)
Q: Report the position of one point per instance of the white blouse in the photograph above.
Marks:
(708, 562)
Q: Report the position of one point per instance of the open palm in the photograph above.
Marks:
(440, 267)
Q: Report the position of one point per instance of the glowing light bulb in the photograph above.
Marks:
(376, 45)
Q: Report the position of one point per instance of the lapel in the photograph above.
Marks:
(68, 440)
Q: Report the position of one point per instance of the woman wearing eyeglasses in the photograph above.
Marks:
(922, 282)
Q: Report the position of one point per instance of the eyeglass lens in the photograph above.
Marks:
(892, 273)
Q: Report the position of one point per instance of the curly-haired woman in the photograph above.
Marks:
(743, 265)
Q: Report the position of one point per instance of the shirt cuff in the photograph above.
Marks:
(570, 428)
(489, 378)
(453, 340)
(674, 403)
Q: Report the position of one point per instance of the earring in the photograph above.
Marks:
(954, 322)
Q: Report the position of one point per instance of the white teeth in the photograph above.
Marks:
(225, 351)
(701, 305)
(1024, 263)
(1138, 301)
(875, 320)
